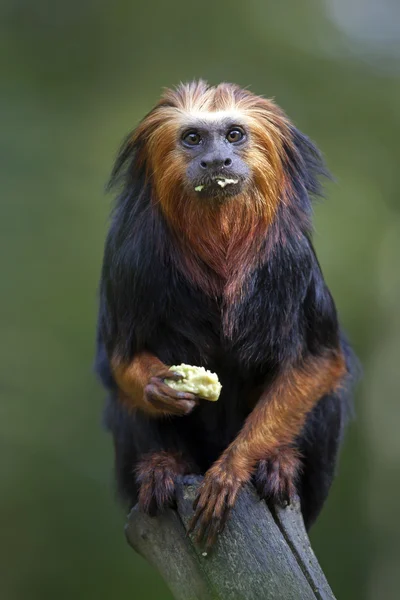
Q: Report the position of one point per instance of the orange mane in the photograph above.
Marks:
(220, 242)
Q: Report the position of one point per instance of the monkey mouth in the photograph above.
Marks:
(219, 185)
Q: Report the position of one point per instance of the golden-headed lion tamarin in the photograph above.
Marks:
(209, 261)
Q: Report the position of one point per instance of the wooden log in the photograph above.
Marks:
(261, 555)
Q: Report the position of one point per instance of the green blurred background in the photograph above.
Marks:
(75, 78)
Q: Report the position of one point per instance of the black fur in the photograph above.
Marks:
(287, 313)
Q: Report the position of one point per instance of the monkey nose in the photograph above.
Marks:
(215, 163)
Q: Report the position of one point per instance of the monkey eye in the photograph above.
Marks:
(235, 135)
(191, 138)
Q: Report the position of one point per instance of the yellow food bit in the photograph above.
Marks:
(196, 380)
(224, 182)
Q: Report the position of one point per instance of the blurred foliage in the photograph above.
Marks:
(76, 77)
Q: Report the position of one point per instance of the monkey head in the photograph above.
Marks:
(210, 144)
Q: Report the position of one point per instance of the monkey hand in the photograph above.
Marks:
(165, 400)
(215, 498)
(275, 478)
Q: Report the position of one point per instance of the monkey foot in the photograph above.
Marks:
(215, 498)
(275, 478)
(156, 475)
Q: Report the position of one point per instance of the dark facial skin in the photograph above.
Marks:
(214, 151)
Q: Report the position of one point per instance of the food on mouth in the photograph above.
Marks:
(224, 182)
(196, 380)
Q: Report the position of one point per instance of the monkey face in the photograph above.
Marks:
(214, 151)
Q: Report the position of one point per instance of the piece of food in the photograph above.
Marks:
(224, 182)
(196, 380)
(198, 188)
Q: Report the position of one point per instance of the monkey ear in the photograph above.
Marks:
(305, 165)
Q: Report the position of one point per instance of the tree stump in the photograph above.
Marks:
(263, 554)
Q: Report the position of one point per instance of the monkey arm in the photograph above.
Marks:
(280, 414)
(270, 429)
(141, 386)
(132, 378)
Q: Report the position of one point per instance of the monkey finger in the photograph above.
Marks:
(287, 493)
(174, 375)
(167, 404)
(196, 517)
(214, 529)
(166, 373)
(204, 507)
(202, 531)
(166, 390)
(224, 519)
(179, 408)
(201, 497)
(208, 530)
(199, 522)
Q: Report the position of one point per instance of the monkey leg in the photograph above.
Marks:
(149, 455)
(156, 474)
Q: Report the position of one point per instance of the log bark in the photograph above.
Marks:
(261, 555)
